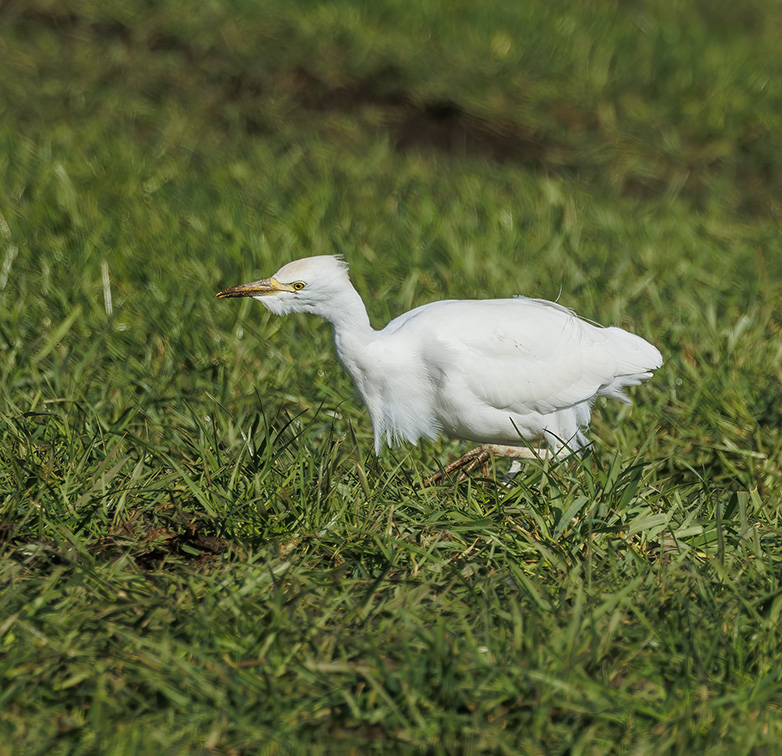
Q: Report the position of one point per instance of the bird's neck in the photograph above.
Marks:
(348, 315)
(353, 333)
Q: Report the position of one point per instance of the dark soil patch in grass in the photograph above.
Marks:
(151, 548)
(148, 547)
(441, 125)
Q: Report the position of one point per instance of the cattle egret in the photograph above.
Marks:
(501, 372)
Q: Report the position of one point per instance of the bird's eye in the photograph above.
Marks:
(299, 285)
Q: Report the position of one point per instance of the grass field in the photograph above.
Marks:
(199, 551)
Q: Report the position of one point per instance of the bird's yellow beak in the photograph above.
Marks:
(254, 289)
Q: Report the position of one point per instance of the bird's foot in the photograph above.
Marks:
(477, 457)
(480, 456)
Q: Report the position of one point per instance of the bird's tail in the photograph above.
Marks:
(636, 360)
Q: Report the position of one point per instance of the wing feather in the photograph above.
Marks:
(524, 355)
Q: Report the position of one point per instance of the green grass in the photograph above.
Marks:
(199, 552)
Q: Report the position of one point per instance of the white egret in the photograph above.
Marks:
(501, 372)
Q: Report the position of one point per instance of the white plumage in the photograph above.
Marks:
(495, 371)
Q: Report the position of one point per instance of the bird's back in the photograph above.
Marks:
(497, 370)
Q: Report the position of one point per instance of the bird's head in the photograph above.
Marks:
(307, 285)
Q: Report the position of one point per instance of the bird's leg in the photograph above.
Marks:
(480, 456)
(518, 452)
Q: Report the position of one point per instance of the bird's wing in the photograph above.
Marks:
(523, 355)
